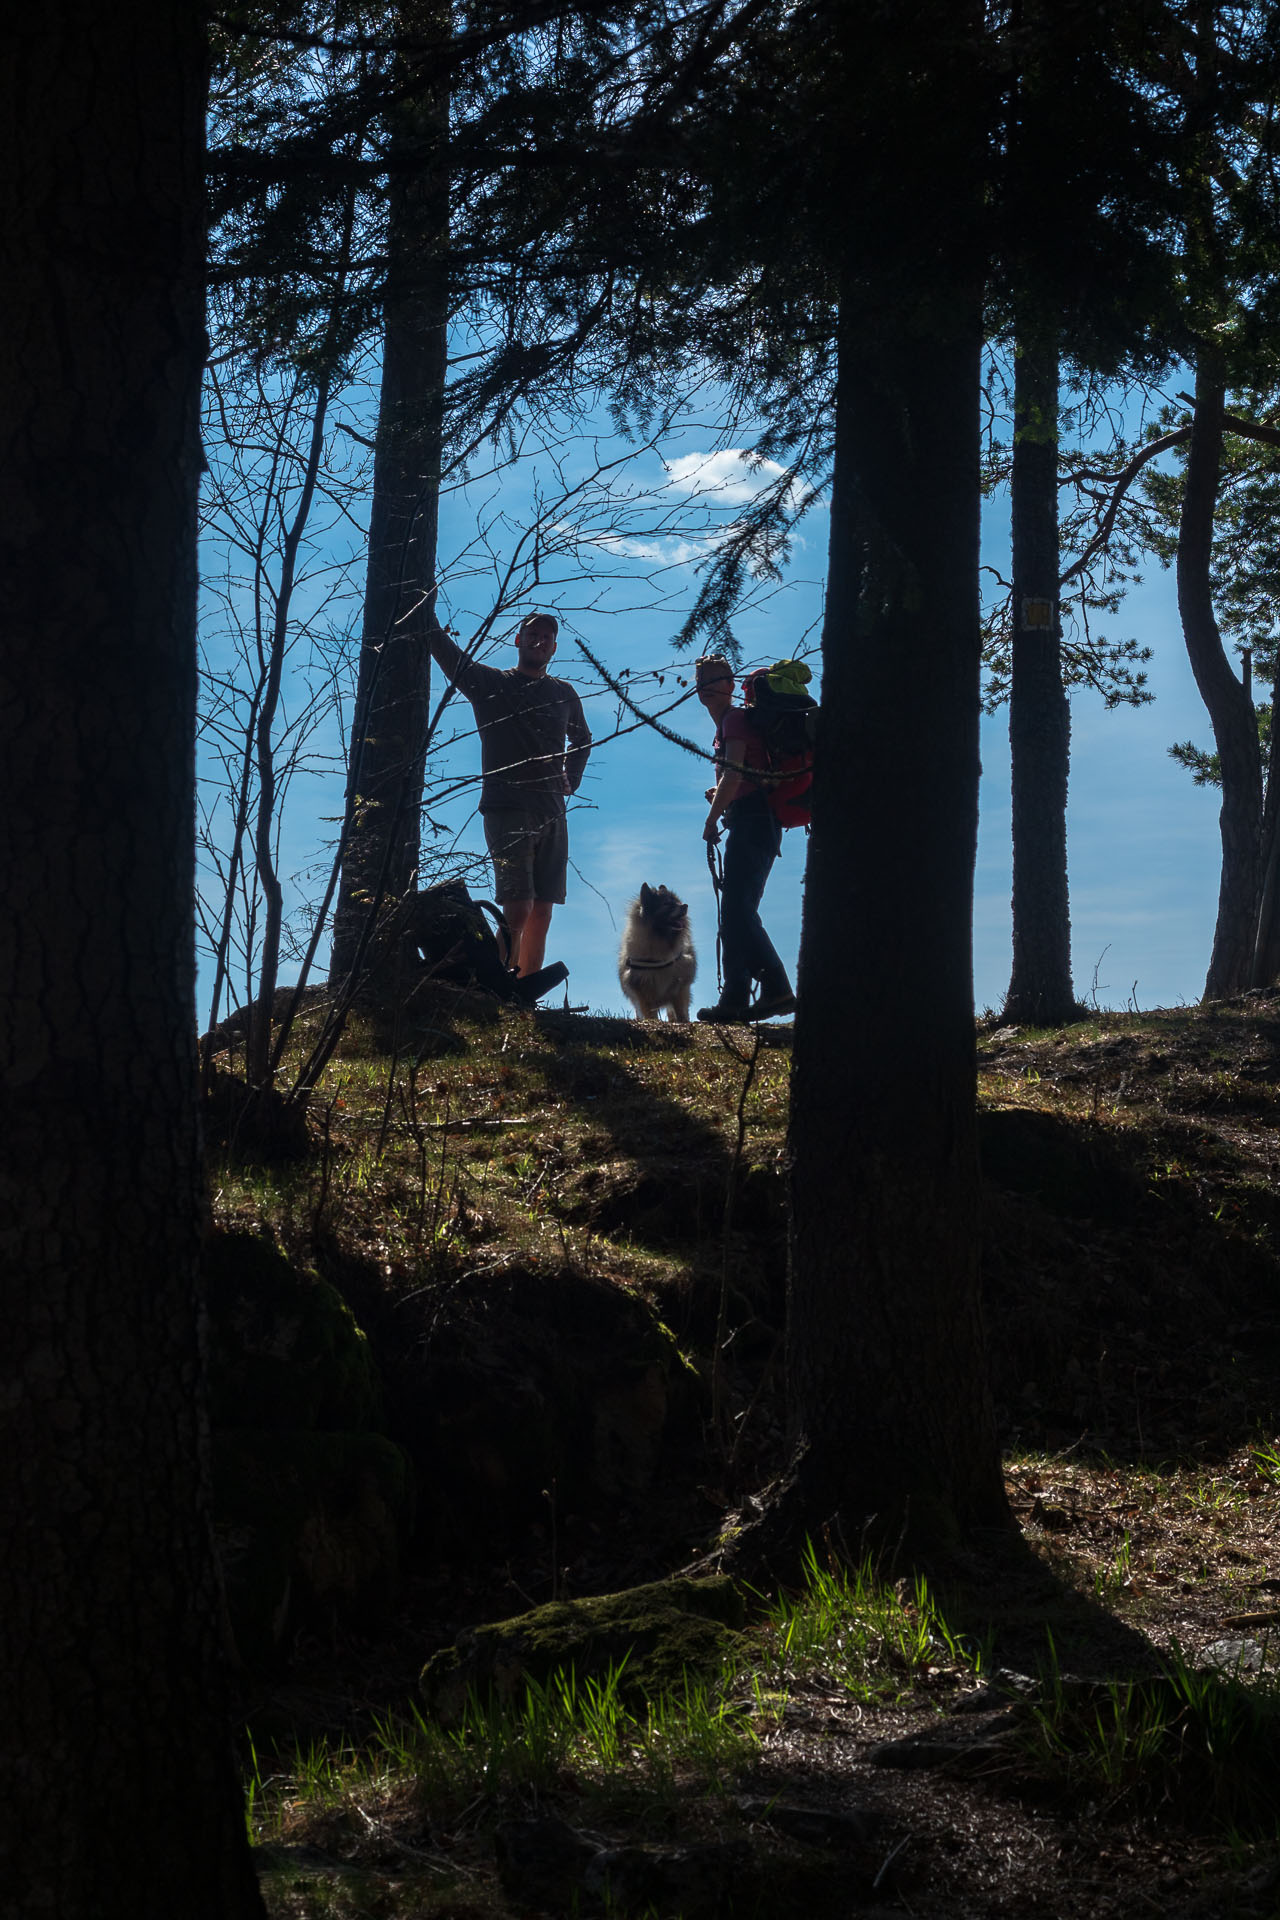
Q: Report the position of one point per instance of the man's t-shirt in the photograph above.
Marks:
(523, 720)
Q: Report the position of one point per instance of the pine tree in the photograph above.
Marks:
(117, 1705)
(388, 740)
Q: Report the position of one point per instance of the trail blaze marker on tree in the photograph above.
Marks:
(1038, 616)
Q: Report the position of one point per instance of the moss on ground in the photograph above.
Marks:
(665, 1632)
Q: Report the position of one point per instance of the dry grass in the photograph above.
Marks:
(1133, 1301)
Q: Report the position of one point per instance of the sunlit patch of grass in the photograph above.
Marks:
(415, 1160)
(583, 1736)
(875, 1638)
(1214, 1496)
(590, 1739)
(1112, 1577)
(1135, 1538)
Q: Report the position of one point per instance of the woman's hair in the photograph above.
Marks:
(712, 666)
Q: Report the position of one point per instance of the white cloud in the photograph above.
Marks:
(672, 552)
(730, 474)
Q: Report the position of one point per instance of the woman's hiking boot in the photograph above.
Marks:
(770, 1005)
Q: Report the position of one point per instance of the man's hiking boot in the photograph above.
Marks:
(528, 987)
(723, 1016)
(771, 1005)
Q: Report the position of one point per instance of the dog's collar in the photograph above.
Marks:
(645, 965)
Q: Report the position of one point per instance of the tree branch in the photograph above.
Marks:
(615, 687)
(1123, 482)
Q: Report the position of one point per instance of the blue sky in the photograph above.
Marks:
(1143, 840)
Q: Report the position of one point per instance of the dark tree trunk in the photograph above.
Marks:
(1266, 953)
(118, 1790)
(386, 757)
(259, 1065)
(1228, 700)
(1040, 992)
(887, 1361)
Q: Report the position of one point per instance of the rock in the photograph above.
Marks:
(687, 1883)
(547, 1863)
(542, 1861)
(662, 1632)
(1004, 1685)
(669, 1202)
(843, 1829)
(1074, 1171)
(975, 1748)
(1232, 1656)
(981, 1700)
(277, 1858)
(284, 1347)
(309, 1527)
(918, 1751)
(311, 1501)
(235, 1027)
(257, 1126)
(534, 1388)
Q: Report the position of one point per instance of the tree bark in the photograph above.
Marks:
(886, 1353)
(1040, 991)
(1229, 703)
(258, 1052)
(387, 752)
(1266, 953)
(118, 1790)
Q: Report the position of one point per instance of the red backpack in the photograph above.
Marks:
(785, 718)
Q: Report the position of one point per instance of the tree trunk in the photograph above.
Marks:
(887, 1362)
(387, 753)
(1266, 953)
(1229, 702)
(1040, 992)
(118, 1788)
(259, 1069)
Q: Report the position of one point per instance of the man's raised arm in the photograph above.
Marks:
(473, 680)
(446, 653)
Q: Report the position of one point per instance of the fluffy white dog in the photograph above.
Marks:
(657, 963)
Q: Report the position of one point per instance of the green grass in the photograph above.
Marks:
(521, 1147)
(565, 1737)
(1202, 1745)
(587, 1739)
(426, 1167)
(570, 1728)
(1112, 1576)
(872, 1637)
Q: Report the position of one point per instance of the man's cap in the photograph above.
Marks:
(531, 617)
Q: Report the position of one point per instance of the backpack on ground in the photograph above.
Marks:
(785, 718)
(453, 936)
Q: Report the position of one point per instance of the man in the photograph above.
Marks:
(753, 844)
(524, 719)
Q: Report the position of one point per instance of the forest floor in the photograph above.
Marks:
(1091, 1729)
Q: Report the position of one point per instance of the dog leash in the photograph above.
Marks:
(716, 866)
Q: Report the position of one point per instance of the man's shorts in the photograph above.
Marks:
(530, 857)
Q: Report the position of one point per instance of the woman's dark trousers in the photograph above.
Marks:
(753, 843)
